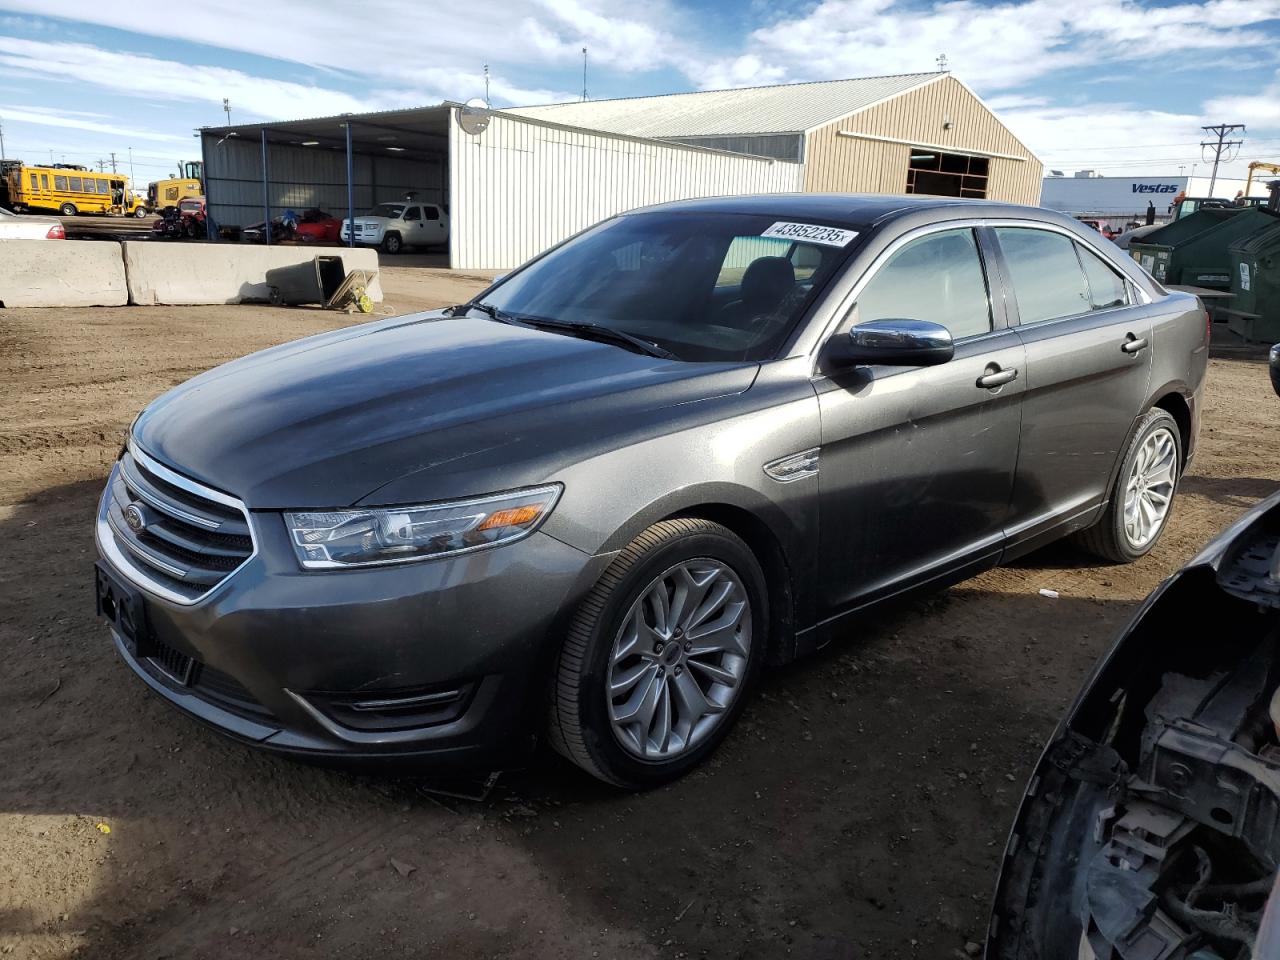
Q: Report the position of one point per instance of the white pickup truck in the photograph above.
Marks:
(394, 226)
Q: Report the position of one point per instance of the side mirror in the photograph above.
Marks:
(1274, 360)
(898, 343)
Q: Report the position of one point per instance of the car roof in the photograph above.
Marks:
(854, 209)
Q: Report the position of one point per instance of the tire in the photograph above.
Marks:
(1113, 536)
(68, 210)
(587, 724)
(140, 212)
(392, 244)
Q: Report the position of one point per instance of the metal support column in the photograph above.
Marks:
(351, 194)
(266, 191)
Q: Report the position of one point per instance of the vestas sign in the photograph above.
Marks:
(1153, 187)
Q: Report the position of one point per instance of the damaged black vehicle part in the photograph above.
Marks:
(1150, 829)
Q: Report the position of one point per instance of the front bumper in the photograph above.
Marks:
(323, 663)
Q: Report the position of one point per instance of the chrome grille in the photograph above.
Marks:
(186, 538)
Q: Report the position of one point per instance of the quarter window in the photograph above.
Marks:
(1106, 288)
(431, 213)
(1047, 280)
(939, 278)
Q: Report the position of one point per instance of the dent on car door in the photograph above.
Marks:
(1088, 366)
(918, 462)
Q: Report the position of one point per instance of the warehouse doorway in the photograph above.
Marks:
(942, 174)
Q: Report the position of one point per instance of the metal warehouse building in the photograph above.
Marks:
(512, 189)
(912, 133)
(517, 181)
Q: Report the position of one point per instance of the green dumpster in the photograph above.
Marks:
(1193, 251)
(1254, 311)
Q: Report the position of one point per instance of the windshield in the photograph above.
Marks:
(704, 287)
(391, 211)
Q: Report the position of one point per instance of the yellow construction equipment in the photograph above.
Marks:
(167, 193)
(1259, 165)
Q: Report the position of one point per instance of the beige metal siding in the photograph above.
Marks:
(520, 187)
(851, 164)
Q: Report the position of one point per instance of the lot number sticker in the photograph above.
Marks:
(1244, 277)
(811, 233)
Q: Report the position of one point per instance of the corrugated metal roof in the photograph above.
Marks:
(787, 108)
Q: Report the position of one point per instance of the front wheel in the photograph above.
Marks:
(68, 210)
(660, 655)
(391, 243)
(140, 212)
(1142, 500)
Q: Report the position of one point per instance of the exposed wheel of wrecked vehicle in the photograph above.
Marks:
(660, 654)
(1142, 500)
(68, 210)
(391, 243)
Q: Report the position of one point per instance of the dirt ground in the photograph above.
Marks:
(859, 810)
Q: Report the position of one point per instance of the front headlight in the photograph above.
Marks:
(381, 535)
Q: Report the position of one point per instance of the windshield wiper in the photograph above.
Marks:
(588, 331)
(601, 334)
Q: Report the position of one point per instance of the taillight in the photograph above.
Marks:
(56, 232)
(1208, 326)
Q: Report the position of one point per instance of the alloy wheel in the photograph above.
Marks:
(679, 659)
(1149, 489)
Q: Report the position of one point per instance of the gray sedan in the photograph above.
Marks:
(679, 449)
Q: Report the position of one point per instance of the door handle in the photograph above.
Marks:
(995, 377)
(1134, 344)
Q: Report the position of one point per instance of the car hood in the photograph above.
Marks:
(460, 406)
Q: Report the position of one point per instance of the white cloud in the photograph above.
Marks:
(994, 47)
(1261, 108)
(76, 120)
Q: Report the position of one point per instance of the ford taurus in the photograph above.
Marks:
(680, 448)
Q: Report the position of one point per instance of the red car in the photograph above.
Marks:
(316, 226)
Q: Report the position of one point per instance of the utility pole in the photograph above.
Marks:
(942, 63)
(101, 165)
(131, 164)
(113, 161)
(487, 103)
(2, 153)
(226, 108)
(1220, 146)
(584, 74)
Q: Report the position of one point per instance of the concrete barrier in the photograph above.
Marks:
(62, 273)
(191, 273)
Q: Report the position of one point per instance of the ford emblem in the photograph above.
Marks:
(134, 517)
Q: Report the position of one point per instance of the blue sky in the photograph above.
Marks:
(1121, 86)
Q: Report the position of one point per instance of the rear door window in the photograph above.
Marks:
(938, 277)
(431, 213)
(413, 213)
(1048, 282)
(1106, 287)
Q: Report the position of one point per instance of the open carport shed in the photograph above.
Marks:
(512, 188)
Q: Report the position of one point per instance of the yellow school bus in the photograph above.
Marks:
(72, 190)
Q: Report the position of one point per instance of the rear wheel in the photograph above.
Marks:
(660, 655)
(392, 244)
(140, 212)
(1142, 500)
(68, 210)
